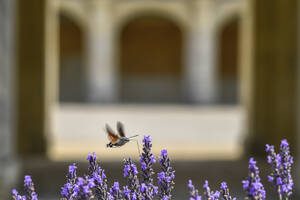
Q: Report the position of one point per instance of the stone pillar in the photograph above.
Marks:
(275, 108)
(8, 164)
(52, 51)
(274, 114)
(31, 77)
(298, 107)
(101, 72)
(200, 72)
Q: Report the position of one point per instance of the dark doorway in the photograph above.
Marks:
(151, 61)
(71, 71)
(228, 62)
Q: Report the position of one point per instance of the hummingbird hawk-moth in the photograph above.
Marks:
(119, 139)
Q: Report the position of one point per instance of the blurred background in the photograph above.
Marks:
(212, 81)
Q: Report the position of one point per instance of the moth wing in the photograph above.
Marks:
(120, 128)
(111, 134)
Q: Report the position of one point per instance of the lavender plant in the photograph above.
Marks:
(98, 175)
(16, 196)
(29, 189)
(225, 192)
(147, 159)
(94, 185)
(115, 192)
(194, 194)
(252, 184)
(68, 189)
(127, 194)
(83, 189)
(281, 169)
(210, 195)
(30, 193)
(166, 177)
(130, 172)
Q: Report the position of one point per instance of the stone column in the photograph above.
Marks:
(274, 103)
(298, 107)
(101, 72)
(8, 164)
(51, 77)
(31, 77)
(200, 73)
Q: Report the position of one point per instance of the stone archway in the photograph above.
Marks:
(71, 61)
(228, 69)
(151, 60)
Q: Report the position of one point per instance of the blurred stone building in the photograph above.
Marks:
(198, 52)
(112, 51)
(143, 52)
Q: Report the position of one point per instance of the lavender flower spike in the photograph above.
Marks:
(252, 184)
(98, 175)
(29, 189)
(225, 192)
(67, 190)
(210, 194)
(287, 161)
(115, 191)
(166, 177)
(128, 195)
(147, 160)
(130, 172)
(83, 189)
(30, 193)
(281, 169)
(194, 194)
(148, 192)
(16, 196)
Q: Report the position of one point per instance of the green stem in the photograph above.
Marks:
(279, 194)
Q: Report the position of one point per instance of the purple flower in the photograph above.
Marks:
(252, 184)
(83, 188)
(72, 169)
(225, 192)
(194, 194)
(143, 188)
(30, 193)
(93, 161)
(166, 177)
(94, 185)
(147, 139)
(147, 159)
(16, 196)
(130, 172)
(71, 176)
(97, 174)
(67, 191)
(29, 189)
(210, 194)
(281, 169)
(148, 192)
(115, 191)
(164, 153)
(126, 193)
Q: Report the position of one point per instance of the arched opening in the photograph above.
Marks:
(151, 61)
(71, 61)
(228, 62)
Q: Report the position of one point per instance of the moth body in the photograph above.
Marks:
(117, 140)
